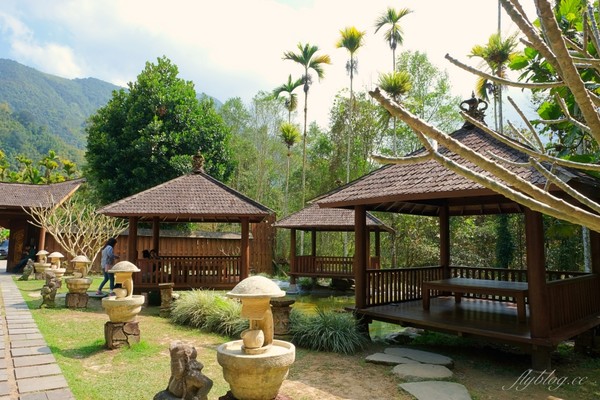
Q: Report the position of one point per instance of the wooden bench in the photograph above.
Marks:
(460, 286)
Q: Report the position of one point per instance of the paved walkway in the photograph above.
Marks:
(28, 370)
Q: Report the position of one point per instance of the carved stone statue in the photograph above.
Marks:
(187, 381)
(49, 293)
(27, 270)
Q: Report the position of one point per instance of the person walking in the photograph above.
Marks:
(108, 260)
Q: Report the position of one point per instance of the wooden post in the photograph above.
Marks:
(360, 255)
(595, 247)
(156, 235)
(445, 240)
(368, 247)
(132, 253)
(42, 239)
(378, 243)
(245, 249)
(293, 256)
(539, 318)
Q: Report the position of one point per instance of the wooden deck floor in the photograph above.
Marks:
(472, 317)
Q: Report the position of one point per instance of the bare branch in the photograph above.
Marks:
(401, 160)
(507, 82)
(531, 129)
(523, 138)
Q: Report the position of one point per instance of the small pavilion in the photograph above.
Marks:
(559, 305)
(315, 219)
(18, 198)
(194, 197)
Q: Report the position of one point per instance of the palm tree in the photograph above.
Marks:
(351, 40)
(290, 135)
(496, 54)
(395, 84)
(308, 58)
(291, 102)
(393, 35)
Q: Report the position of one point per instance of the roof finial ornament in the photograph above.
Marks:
(474, 107)
(198, 162)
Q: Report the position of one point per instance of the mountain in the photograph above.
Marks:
(39, 111)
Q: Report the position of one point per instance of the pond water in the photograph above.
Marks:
(309, 303)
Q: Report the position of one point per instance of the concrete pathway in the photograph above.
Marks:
(28, 370)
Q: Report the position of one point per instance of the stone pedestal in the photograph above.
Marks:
(76, 300)
(281, 316)
(166, 297)
(119, 334)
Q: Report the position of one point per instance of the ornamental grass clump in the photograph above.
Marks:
(210, 312)
(326, 331)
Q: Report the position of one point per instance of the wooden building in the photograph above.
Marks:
(559, 306)
(195, 197)
(15, 200)
(315, 219)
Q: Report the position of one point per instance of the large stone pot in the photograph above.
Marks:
(256, 376)
(122, 309)
(78, 285)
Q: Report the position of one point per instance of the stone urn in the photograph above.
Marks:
(41, 264)
(126, 306)
(256, 366)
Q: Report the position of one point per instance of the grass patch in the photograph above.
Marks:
(326, 331)
(209, 311)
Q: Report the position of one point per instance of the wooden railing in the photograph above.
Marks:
(325, 266)
(573, 299)
(386, 286)
(404, 284)
(188, 272)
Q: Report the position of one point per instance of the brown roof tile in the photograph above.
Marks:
(17, 195)
(327, 219)
(193, 197)
(417, 186)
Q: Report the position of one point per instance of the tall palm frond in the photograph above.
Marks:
(291, 102)
(394, 34)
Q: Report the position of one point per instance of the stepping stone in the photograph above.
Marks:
(389, 359)
(419, 372)
(424, 357)
(436, 390)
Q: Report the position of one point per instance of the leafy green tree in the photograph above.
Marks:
(307, 57)
(291, 102)
(396, 84)
(351, 39)
(393, 35)
(505, 245)
(148, 135)
(496, 54)
(290, 135)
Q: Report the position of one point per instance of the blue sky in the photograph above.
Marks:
(234, 48)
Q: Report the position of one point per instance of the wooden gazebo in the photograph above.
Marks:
(559, 305)
(16, 199)
(195, 197)
(315, 219)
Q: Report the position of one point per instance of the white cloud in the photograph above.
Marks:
(234, 48)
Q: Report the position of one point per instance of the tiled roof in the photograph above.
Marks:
(418, 188)
(327, 219)
(17, 195)
(195, 197)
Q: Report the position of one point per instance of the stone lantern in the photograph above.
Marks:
(256, 366)
(78, 284)
(41, 264)
(122, 309)
(55, 267)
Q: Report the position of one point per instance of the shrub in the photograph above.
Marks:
(210, 312)
(326, 331)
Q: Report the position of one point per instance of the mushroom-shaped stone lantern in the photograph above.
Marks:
(55, 266)
(256, 366)
(125, 305)
(122, 329)
(78, 284)
(41, 264)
